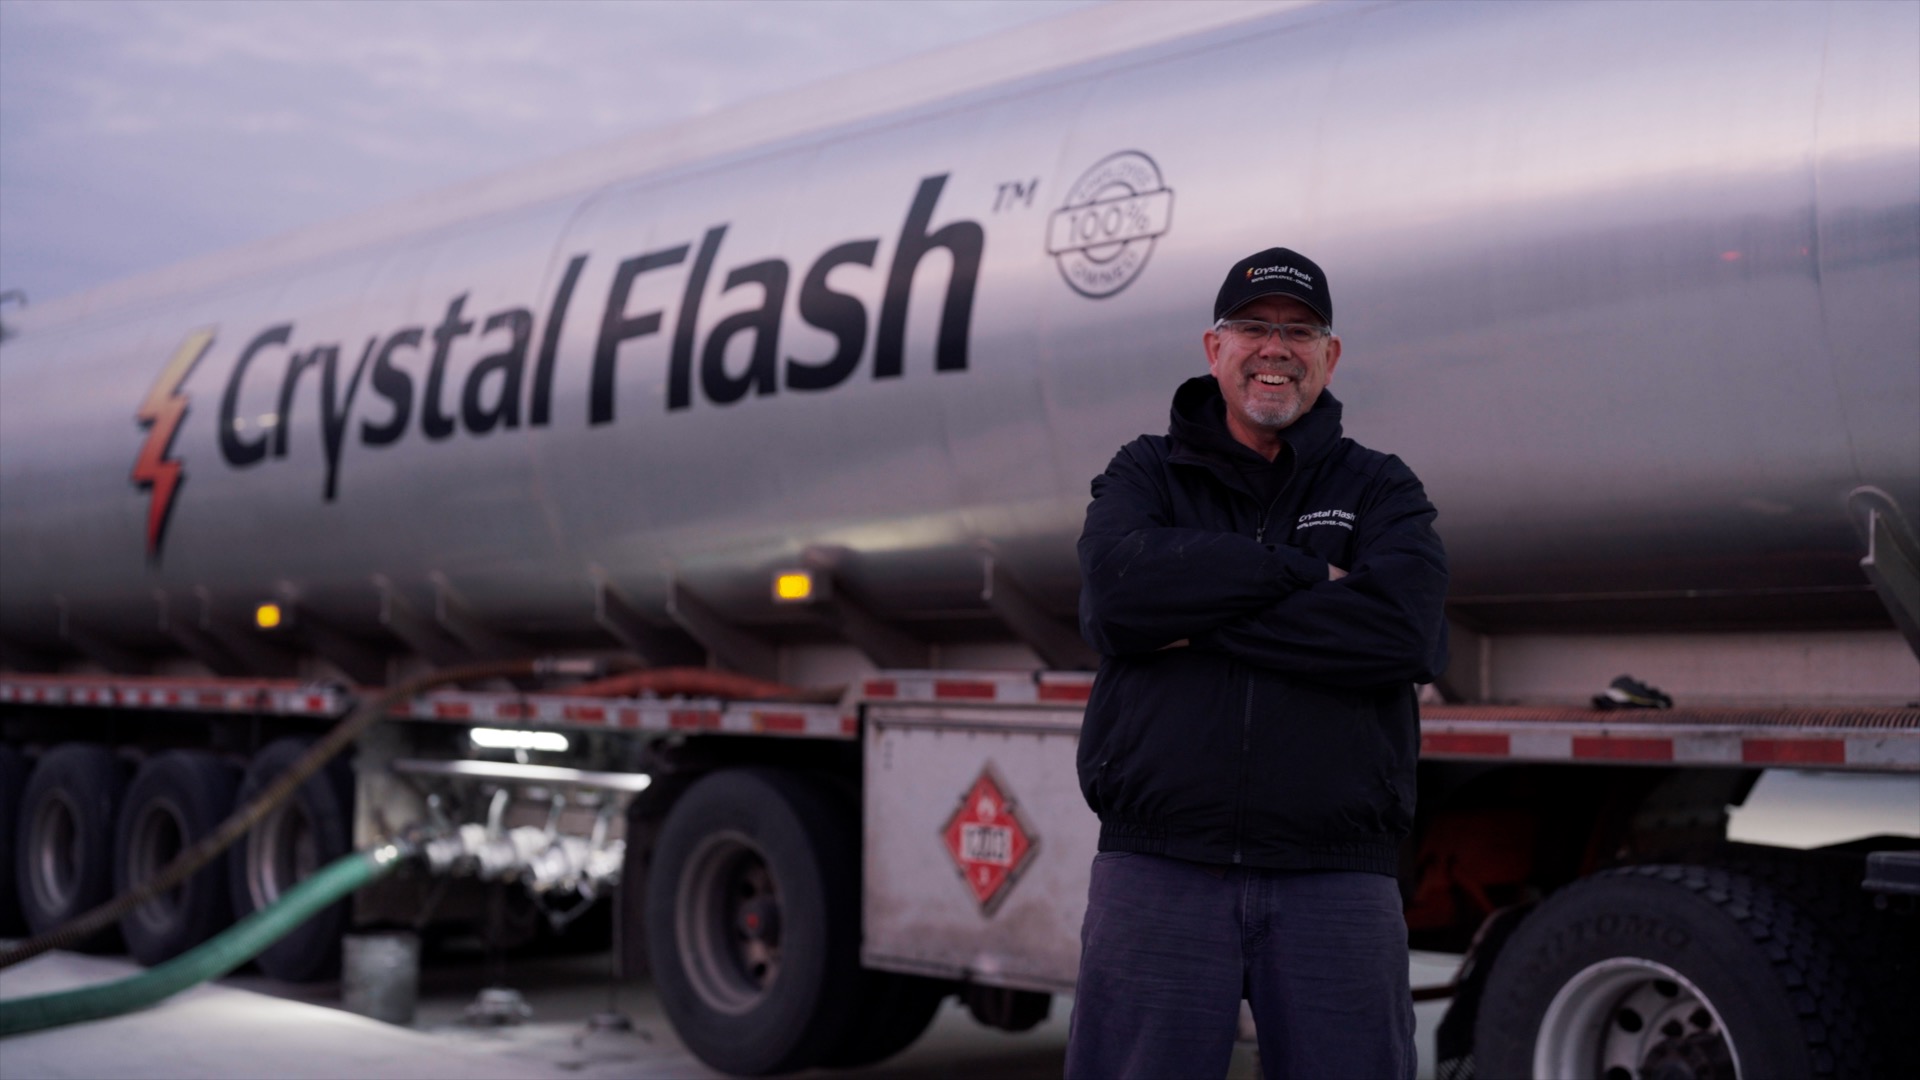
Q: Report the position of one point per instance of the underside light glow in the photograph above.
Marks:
(793, 586)
(267, 616)
(538, 774)
(503, 739)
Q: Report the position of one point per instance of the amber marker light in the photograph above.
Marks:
(792, 586)
(267, 616)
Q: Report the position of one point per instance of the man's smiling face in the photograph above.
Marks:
(1270, 385)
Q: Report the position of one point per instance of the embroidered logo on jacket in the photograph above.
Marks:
(1325, 517)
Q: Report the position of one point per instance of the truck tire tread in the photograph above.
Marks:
(1879, 948)
(13, 781)
(1751, 948)
(812, 858)
(91, 780)
(311, 951)
(197, 789)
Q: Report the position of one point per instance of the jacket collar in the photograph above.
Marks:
(1198, 428)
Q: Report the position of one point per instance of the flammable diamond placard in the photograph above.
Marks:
(989, 841)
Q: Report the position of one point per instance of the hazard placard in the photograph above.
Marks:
(989, 842)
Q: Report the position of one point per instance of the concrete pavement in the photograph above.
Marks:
(247, 1026)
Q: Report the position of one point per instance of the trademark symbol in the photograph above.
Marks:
(1015, 193)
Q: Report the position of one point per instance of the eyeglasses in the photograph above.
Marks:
(1255, 332)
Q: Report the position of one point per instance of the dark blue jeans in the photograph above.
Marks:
(1170, 948)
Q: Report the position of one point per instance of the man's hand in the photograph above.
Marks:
(1334, 573)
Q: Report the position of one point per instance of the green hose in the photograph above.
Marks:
(211, 959)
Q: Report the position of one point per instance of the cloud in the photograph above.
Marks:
(133, 135)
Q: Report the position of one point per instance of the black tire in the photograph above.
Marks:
(895, 1011)
(892, 1010)
(312, 828)
(64, 859)
(13, 782)
(1659, 966)
(752, 921)
(175, 800)
(1878, 944)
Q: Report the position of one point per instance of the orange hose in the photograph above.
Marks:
(696, 682)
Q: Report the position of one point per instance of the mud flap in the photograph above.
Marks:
(1453, 1039)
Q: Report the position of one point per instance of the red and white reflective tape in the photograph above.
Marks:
(1869, 739)
(976, 688)
(627, 714)
(291, 699)
(191, 695)
(1878, 750)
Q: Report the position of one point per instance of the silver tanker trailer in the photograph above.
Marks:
(785, 419)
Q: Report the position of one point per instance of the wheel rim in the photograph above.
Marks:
(282, 851)
(158, 835)
(1627, 1017)
(56, 851)
(727, 923)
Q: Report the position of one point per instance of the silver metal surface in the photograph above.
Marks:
(726, 920)
(380, 975)
(156, 838)
(280, 852)
(1753, 667)
(1625, 1016)
(1893, 565)
(53, 853)
(1631, 287)
(919, 914)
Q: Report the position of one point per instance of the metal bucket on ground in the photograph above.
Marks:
(380, 975)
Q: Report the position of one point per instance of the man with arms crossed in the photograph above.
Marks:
(1264, 593)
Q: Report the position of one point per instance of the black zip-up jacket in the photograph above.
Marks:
(1283, 735)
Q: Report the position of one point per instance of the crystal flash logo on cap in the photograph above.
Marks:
(1274, 272)
(1257, 274)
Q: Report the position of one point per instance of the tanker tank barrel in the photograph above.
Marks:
(681, 545)
(890, 351)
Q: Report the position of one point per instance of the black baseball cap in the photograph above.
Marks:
(1276, 271)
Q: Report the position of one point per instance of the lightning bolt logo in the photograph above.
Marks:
(160, 413)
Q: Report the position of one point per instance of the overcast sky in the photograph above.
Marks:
(137, 134)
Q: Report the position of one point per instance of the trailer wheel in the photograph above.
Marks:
(176, 799)
(13, 779)
(752, 922)
(304, 833)
(65, 855)
(1878, 944)
(1667, 971)
(893, 1010)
